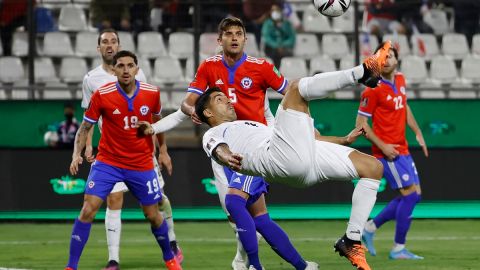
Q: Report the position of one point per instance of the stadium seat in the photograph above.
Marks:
(167, 71)
(20, 44)
(97, 61)
(322, 63)
(208, 44)
(150, 45)
(72, 18)
(11, 69)
(54, 4)
(414, 69)
(335, 45)
(470, 69)
(306, 45)
(1, 48)
(86, 44)
(180, 45)
(55, 90)
(368, 44)
(57, 44)
(400, 42)
(314, 22)
(189, 70)
(424, 45)
(348, 61)
(126, 41)
(455, 45)
(344, 23)
(146, 67)
(20, 90)
(443, 70)
(462, 90)
(72, 69)
(437, 19)
(293, 67)
(251, 47)
(476, 44)
(44, 70)
(344, 93)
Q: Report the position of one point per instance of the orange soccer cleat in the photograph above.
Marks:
(354, 251)
(173, 264)
(374, 64)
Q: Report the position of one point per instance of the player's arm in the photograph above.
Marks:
(164, 160)
(80, 141)
(86, 91)
(222, 154)
(188, 106)
(412, 123)
(346, 140)
(387, 149)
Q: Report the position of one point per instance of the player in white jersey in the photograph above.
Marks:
(108, 45)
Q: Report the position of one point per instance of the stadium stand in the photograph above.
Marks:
(180, 45)
(85, 44)
(293, 67)
(335, 45)
(151, 45)
(57, 44)
(455, 45)
(306, 46)
(72, 18)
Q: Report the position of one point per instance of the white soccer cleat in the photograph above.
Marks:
(239, 264)
(253, 268)
(312, 266)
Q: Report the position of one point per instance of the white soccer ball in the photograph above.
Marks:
(50, 138)
(331, 8)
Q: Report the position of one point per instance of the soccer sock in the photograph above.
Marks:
(388, 213)
(113, 227)
(404, 216)
(241, 254)
(320, 85)
(161, 234)
(79, 238)
(363, 200)
(166, 210)
(279, 241)
(236, 206)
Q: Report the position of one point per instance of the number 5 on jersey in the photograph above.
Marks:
(232, 95)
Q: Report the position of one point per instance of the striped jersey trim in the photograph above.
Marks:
(364, 114)
(284, 85)
(194, 90)
(91, 121)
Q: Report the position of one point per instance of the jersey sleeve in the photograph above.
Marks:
(86, 92)
(212, 138)
(199, 83)
(157, 109)
(368, 103)
(92, 114)
(273, 77)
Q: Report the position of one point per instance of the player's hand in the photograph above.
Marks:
(353, 135)
(422, 143)
(76, 161)
(144, 128)
(234, 161)
(195, 118)
(89, 153)
(165, 162)
(389, 151)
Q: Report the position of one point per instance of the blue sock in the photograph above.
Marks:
(237, 207)
(161, 235)
(79, 238)
(388, 213)
(404, 216)
(278, 240)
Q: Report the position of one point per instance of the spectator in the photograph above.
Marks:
(467, 16)
(68, 128)
(256, 12)
(140, 15)
(278, 35)
(382, 18)
(110, 14)
(13, 14)
(412, 12)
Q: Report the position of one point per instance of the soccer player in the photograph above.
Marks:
(387, 106)
(108, 44)
(123, 154)
(290, 152)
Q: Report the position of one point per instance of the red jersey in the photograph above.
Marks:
(119, 144)
(387, 106)
(245, 83)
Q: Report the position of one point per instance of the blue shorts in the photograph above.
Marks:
(400, 172)
(255, 186)
(144, 185)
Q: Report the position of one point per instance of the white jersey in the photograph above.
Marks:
(98, 77)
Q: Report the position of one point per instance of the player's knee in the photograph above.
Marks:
(371, 168)
(88, 212)
(115, 201)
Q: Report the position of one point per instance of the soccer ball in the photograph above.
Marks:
(50, 138)
(331, 8)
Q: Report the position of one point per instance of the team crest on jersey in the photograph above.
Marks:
(402, 89)
(405, 177)
(144, 110)
(246, 83)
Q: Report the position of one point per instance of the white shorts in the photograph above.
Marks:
(294, 157)
(121, 187)
(221, 183)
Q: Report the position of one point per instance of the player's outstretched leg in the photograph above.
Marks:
(113, 228)
(166, 210)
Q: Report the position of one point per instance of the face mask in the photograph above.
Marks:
(276, 15)
(69, 116)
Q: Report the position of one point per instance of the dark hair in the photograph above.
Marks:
(107, 30)
(395, 50)
(124, 54)
(68, 104)
(228, 22)
(202, 103)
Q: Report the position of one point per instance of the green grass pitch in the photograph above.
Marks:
(446, 244)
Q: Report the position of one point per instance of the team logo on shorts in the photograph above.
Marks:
(91, 184)
(402, 89)
(144, 110)
(246, 83)
(405, 177)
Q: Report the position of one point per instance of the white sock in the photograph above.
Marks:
(363, 200)
(241, 254)
(370, 226)
(320, 85)
(171, 232)
(113, 227)
(398, 247)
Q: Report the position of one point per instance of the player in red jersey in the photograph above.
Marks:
(387, 106)
(123, 154)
